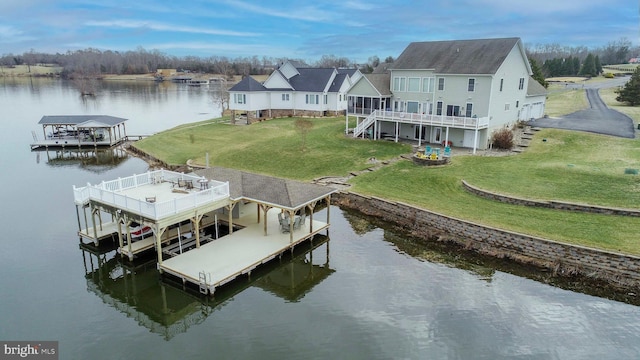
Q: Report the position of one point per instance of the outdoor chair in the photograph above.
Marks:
(447, 151)
(427, 150)
(296, 223)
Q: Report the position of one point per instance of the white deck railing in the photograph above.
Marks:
(460, 122)
(110, 193)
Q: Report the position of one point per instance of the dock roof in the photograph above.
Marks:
(283, 193)
(79, 120)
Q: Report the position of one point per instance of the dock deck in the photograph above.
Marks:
(228, 257)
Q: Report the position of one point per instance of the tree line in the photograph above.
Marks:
(557, 60)
(550, 59)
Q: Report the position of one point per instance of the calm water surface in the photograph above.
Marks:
(362, 295)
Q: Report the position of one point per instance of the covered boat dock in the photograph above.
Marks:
(273, 214)
(80, 131)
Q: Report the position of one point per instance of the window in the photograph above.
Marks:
(326, 98)
(441, 84)
(507, 106)
(285, 97)
(472, 85)
(517, 103)
(414, 84)
(240, 98)
(469, 110)
(521, 85)
(312, 99)
(428, 85)
(439, 108)
(501, 83)
(399, 83)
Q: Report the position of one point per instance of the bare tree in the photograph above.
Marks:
(303, 126)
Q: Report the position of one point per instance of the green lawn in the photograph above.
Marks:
(271, 147)
(563, 165)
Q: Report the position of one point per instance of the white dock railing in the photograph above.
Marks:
(422, 119)
(110, 193)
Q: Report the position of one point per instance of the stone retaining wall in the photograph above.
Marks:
(619, 270)
(558, 205)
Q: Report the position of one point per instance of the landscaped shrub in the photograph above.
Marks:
(502, 139)
(609, 75)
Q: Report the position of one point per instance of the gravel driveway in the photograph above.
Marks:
(597, 119)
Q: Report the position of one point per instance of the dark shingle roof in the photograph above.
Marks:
(482, 56)
(288, 194)
(337, 82)
(349, 72)
(79, 119)
(248, 84)
(311, 79)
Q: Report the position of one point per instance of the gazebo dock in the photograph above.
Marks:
(79, 131)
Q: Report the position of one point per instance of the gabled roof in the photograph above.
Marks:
(283, 193)
(534, 88)
(97, 120)
(349, 72)
(248, 84)
(311, 79)
(481, 56)
(337, 82)
(380, 82)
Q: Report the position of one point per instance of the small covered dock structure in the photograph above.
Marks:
(79, 131)
(273, 213)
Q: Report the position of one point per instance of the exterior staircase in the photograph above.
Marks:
(364, 125)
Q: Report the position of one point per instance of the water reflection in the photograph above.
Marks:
(166, 308)
(484, 267)
(95, 161)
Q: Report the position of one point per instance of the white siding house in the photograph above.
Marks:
(292, 90)
(453, 93)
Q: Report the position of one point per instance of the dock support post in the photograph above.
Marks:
(93, 222)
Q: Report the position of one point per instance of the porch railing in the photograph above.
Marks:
(459, 122)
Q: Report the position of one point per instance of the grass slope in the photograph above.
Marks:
(271, 147)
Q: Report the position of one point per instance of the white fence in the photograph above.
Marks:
(110, 193)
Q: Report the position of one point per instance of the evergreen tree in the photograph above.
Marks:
(598, 65)
(589, 66)
(537, 73)
(576, 66)
(630, 93)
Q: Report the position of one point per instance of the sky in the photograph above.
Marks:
(306, 29)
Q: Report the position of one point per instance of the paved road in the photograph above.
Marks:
(597, 119)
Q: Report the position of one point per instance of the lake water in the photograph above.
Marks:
(368, 293)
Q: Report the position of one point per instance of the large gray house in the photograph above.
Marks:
(447, 92)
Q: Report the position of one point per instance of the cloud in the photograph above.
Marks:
(143, 24)
(9, 34)
(294, 12)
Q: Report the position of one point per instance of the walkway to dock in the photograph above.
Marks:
(224, 259)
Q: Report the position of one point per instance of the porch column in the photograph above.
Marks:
(446, 138)
(475, 141)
